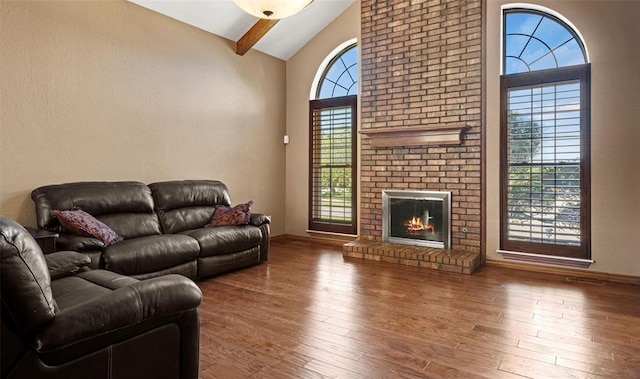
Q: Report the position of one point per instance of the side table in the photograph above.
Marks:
(44, 238)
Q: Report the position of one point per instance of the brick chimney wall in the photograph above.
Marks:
(421, 66)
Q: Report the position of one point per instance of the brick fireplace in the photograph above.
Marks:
(417, 218)
(421, 109)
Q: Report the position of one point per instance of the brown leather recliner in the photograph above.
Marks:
(62, 320)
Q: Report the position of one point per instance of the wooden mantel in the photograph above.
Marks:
(431, 135)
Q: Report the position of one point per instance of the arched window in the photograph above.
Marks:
(341, 76)
(545, 123)
(332, 163)
(537, 41)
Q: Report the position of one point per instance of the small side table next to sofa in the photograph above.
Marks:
(44, 238)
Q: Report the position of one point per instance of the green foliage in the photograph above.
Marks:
(335, 158)
(524, 138)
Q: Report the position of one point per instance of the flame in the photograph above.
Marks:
(416, 225)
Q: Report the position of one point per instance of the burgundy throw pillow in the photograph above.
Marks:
(224, 215)
(81, 223)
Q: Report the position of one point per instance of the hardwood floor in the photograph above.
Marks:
(309, 313)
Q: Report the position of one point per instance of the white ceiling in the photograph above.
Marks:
(225, 19)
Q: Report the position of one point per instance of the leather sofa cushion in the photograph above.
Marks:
(187, 218)
(150, 254)
(189, 270)
(214, 265)
(228, 239)
(187, 204)
(86, 286)
(113, 203)
(132, 225)
(84, 324)
(25, 283)
(73, 290)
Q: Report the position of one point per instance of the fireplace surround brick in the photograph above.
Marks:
(421, 66)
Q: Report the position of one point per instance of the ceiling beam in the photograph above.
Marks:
(257, 31)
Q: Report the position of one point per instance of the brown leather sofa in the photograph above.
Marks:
(62, 320)
(162, 226)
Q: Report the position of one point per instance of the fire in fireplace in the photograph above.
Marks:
(417, 218)
(415, 226)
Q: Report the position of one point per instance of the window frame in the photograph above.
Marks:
(581, 73)
(334, 226)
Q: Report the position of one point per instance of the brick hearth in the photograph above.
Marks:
(464, 262)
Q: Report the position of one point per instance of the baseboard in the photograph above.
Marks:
(326, 240)
(569, 273)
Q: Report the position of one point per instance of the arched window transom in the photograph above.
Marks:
(341, 76)
(537, 41)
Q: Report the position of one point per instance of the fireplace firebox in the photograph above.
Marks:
(420, 218)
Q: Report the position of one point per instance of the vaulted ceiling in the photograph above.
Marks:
(225, 19)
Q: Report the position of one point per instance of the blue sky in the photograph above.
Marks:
(341, 76)
(535, 42)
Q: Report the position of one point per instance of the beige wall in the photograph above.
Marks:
(113, 91)
(610, 30)
(301, 70)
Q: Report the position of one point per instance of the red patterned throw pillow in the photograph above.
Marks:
(81, 223)
(224, 215)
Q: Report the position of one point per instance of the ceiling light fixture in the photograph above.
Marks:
(272, 9)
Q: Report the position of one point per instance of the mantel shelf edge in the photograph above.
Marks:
(433, 135)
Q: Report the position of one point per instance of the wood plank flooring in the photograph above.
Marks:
(310, 313)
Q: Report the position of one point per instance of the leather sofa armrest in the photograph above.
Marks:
(66, 241)
(127, 306)
(258, 219)
(263, 222)
(65, 263)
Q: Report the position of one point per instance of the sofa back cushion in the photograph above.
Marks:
(25, 284)
(187, 204)
(126, 207)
